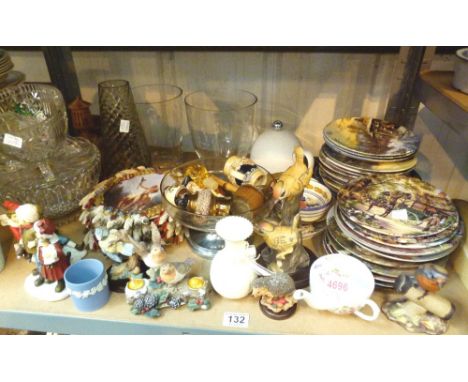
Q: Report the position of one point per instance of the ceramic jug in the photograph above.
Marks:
(233, 268)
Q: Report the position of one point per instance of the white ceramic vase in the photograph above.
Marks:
(233, 268)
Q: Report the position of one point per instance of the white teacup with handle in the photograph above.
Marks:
(341, 284)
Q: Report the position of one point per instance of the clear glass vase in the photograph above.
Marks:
(123, 140)
(221, 122)
(161, 111)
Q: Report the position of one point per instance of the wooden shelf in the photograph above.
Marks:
(18, 310)
(434, 89)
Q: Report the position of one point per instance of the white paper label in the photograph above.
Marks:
(12, 140)
(400, 214)
(236, 320)
(124, 126)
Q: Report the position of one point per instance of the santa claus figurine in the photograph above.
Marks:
(20, 219)
(51, 259)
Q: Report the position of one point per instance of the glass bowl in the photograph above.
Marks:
(56, 185)
(35, 113)
(201, 228)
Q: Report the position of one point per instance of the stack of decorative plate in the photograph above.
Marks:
(314, 205)
(8, 77)
(356, 147)
(393, 223)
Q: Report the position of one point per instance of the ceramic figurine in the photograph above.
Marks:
(241, 171)
(200, 201)
(232, 269)
(167, 289)
(172, 273)
(276, 295)
(291, 183)
(125, 220)
(51, 259)
(38, 242)
(420, 309)
(20, 220)
(54, 254)
(285, 252)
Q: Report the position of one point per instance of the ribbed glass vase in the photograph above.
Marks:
(123, 140)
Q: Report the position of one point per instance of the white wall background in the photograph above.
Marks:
(307, 90)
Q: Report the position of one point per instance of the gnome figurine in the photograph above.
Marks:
(20, 219)
(51, 259)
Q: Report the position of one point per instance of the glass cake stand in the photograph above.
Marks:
(39, 163)
(200, 229)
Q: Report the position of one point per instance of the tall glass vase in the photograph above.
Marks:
(160, 108)
(221, 121)
(123, 140)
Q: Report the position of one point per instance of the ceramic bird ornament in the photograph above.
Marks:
(173, 272)
(420, 308)
(280, 238)
(292, 182)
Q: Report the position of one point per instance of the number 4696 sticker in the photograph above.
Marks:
(236, 320)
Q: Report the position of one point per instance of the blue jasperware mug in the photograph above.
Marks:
(86, 280)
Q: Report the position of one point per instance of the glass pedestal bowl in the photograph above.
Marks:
(200, 229)
(39, 163)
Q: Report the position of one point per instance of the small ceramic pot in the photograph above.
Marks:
(315, 202)
(87, 283)
(135, 289)
(460, 78)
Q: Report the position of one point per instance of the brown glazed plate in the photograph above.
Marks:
(397, 205)
(337, 237)
(402, 254)
(358, 166)
(371, 138)
(404, 242)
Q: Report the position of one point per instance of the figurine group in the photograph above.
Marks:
(36, 240)
(420, 309)
(133, 239)
(167, 287)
